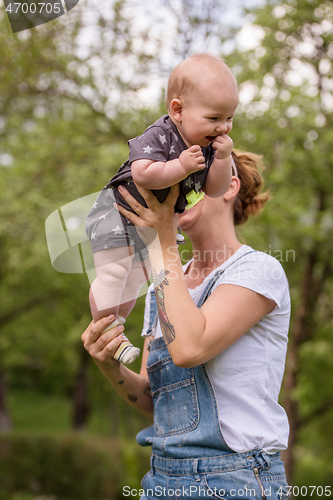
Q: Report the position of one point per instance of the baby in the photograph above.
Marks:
(189, 146)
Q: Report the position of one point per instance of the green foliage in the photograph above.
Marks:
(63, 133)
(314, 464)
(286, 116)
(68, 467)
(35, 412)
(57, 148)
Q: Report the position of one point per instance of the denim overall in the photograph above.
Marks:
(190, 458)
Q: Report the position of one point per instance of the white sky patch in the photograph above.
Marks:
(300, 72)
(151, 93)
(327, 84)
(247, 92)
(279, 11)
(160, 19)
(6, 160)
(326, 26)
(325, 66)
(249, 37)
(269, 80)
(320, 120)
(268, 93)
(293, 111)
(285, 95)
(306, 48)
(327, 101)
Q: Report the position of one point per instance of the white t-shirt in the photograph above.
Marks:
(246, 377)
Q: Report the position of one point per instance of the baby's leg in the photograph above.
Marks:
(115, 291)
(139, 274)
(113, 266)
(137, 277)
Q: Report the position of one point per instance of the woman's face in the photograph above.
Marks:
(193, 220)
(203, 217)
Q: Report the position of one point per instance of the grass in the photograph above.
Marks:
(34, 412)
(27, 496)
(38, 413)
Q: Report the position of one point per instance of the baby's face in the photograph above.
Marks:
(208, 113)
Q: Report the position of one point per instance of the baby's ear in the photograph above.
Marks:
(176, 110)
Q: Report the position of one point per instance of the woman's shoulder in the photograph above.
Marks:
(250, 256)
(258, 271)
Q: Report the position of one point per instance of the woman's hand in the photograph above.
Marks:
(158, 218)
(101, 345)
(132, 387)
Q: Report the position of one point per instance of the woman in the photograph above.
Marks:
(215, 359)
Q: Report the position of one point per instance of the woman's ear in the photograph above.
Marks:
(176, 110)
(233, 189)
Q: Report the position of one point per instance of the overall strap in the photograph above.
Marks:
(204, 296)
(207, 291)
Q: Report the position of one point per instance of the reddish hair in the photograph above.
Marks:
(249, 201)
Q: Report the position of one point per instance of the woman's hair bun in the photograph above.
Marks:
(249, 201)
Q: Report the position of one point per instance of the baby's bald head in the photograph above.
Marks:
(196, 74)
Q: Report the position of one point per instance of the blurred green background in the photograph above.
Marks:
(72, 92)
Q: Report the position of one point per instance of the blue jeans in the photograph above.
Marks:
(239, 476)
(190, 458)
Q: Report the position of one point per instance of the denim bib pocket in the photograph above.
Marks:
(174, 394)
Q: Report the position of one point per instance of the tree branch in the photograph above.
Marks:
(23, 308)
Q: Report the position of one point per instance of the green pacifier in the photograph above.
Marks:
(193, 198)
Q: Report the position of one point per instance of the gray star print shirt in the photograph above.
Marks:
(160, 142)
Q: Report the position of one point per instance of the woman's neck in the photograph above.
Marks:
(208, 255)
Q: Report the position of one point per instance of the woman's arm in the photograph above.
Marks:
(159, 175)
(132, 387)
(193, 335)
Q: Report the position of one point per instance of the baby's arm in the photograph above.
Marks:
(159, 175)
(219, 174)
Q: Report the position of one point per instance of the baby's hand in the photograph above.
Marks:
(192, 159)
(223, 146)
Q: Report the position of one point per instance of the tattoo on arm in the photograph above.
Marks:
(132, 398)
(166, 327)
(120, 382)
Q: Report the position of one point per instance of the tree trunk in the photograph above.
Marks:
(5, 420)
(81, 404)
(303, 330)
(291, 407)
